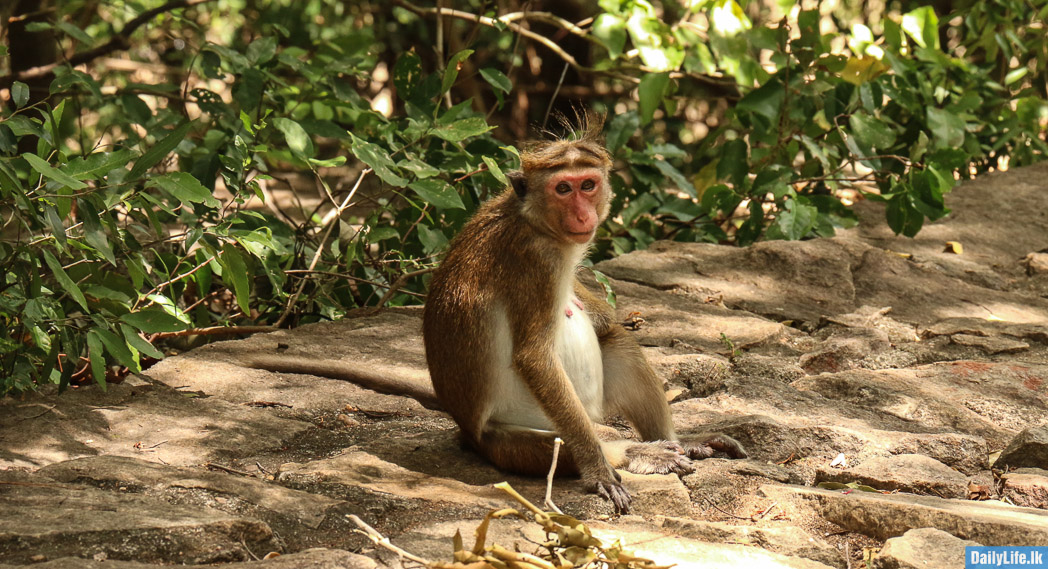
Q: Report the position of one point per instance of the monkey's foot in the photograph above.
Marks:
(658, 457)
(713, 443)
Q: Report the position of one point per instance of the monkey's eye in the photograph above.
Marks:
(588, 185)
(563, 188)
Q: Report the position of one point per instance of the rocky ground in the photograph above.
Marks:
(892, 392)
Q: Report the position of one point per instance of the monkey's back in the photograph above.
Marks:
(457, 322)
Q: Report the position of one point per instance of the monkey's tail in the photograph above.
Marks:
(393, 382)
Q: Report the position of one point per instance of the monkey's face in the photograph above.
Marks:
(577, 202)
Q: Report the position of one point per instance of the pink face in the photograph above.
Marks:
(576, 194)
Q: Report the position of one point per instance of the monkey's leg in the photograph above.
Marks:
(632, 389)
(530, 451)
(523, 450)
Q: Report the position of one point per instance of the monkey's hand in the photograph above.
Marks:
(616, 493)
(658, 457)
(711, 443)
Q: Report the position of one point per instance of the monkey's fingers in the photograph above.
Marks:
(617, 494)
(699, 451)
(659, 457)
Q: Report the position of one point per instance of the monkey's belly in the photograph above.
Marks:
(577, 348)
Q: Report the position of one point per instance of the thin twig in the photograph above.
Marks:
(765, 512)
(501, 22)
(160, 286)
(228, 469)
(718, 508)
(557, 442)
(401, 281)
(383, 541)
(320, 249)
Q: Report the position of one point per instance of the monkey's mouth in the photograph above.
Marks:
(580, 236)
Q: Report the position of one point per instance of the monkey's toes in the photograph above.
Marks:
(699, 452)
(727, 445)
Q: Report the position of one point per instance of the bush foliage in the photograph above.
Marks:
(189, 166)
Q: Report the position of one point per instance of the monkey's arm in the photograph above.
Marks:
(534, 358)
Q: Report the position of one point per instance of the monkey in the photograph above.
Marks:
(519, 351)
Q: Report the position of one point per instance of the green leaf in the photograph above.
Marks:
(63, 279)
(765, 100)
(797, 220)
(98, 164)
(947, 128)
(923, 26)
(159, 151)
(45, 169)
(57, 227)
(1012, 76)
(118, 348)
(438, 193)
(185, 188)
(871, 131)
(609, 292)
(733, 164)
(235, 270)
(137, 109)
(610, 30)
(378, 159)
(902, 217)
(139, 343)
(493, 167)
(262, 50)
(496, 79)
(452, 70)
(75, 32)
(461, 130)
(19, 93)
(432, 239)
(651, 91)
(407, 75)
(152, 320)
(96, 355)
(419, 168)
(676, 177)
(297, 138)
(621, 128)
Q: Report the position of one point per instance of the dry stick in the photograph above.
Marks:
(549, 477)
(121, 41)
(383, 541)
(556, 92)
(320, 249)
(216, 331)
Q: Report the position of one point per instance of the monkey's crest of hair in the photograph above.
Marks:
(585, 133)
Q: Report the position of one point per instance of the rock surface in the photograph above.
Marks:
(923, 548)
(914, 366)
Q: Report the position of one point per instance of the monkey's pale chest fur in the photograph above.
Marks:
(577, 349)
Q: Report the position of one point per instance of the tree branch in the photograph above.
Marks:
(118, 42)
(509, 21)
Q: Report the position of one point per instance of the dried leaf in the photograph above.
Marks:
(457, 540)
(954, 247)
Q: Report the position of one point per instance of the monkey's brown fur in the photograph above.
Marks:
(515, 260)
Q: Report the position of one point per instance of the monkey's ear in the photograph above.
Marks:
(519, 182)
